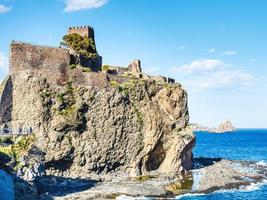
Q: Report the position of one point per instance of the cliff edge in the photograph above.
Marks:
(85, 123)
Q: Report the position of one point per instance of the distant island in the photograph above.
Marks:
(226, 126)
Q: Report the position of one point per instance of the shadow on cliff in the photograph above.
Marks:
(3, 160)
(202, 162)
(44, 187)
(23, 190)
(6, 99)
(60, 186)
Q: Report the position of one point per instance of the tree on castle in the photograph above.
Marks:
(82, 45)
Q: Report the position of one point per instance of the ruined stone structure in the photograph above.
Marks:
(96, 122)
(34, 60)
(93, 63)
(84, 31)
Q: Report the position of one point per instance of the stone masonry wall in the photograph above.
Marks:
(84, 31)
(47, 62)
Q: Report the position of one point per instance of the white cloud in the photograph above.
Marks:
(212, 50)
(223, 79)
(200, 66)
(76, 5)
(3, 60)
(208, 74)
(229, 53)
(4, 9)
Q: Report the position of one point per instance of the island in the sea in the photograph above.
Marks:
(224, 127)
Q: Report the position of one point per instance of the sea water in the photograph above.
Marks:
(243, 144)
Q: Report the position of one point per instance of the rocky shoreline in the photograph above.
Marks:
(208, 175)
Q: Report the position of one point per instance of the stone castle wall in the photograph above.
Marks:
(85, 31)
(32, 60)
(51, 64)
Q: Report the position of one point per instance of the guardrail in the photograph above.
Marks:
(19, 131)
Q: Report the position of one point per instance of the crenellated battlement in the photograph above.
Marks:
(85, 31)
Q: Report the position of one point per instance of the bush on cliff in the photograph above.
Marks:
(81, 45)
(105, 68)
(19, 147)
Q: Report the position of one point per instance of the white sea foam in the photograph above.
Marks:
(262, 162)
(197, 174)
(189, 195)
(248, 188)
(253, 186)
(124, 197)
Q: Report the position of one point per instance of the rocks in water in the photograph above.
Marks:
(226, 126)
(214, 174)
(226, 174)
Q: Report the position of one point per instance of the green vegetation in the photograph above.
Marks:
(6, 140)
(45, 93)
(67, 111)
(78, 66)
(144, 178)
(180, 187)
(82, 45)
(20, 146)
(86, 69)
(67, 100)
(105, 68)
(73, 66)
(124, 87)
(115, 84)
(139, 116)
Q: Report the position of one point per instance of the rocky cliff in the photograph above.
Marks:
(130, 125)
(87, 123)
(134, 126)
(226, 126)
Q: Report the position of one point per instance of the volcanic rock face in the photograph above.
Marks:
(88, 123)
(135, 127)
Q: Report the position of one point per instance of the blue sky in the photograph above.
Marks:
(216, 49)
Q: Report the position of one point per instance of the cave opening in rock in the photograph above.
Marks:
(156, 157)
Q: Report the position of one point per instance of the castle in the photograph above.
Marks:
(52, 64)
(84, 31)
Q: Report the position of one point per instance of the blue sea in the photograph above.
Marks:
(244, 144)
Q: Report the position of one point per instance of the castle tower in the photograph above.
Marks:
(84, 31)
(93, 63)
